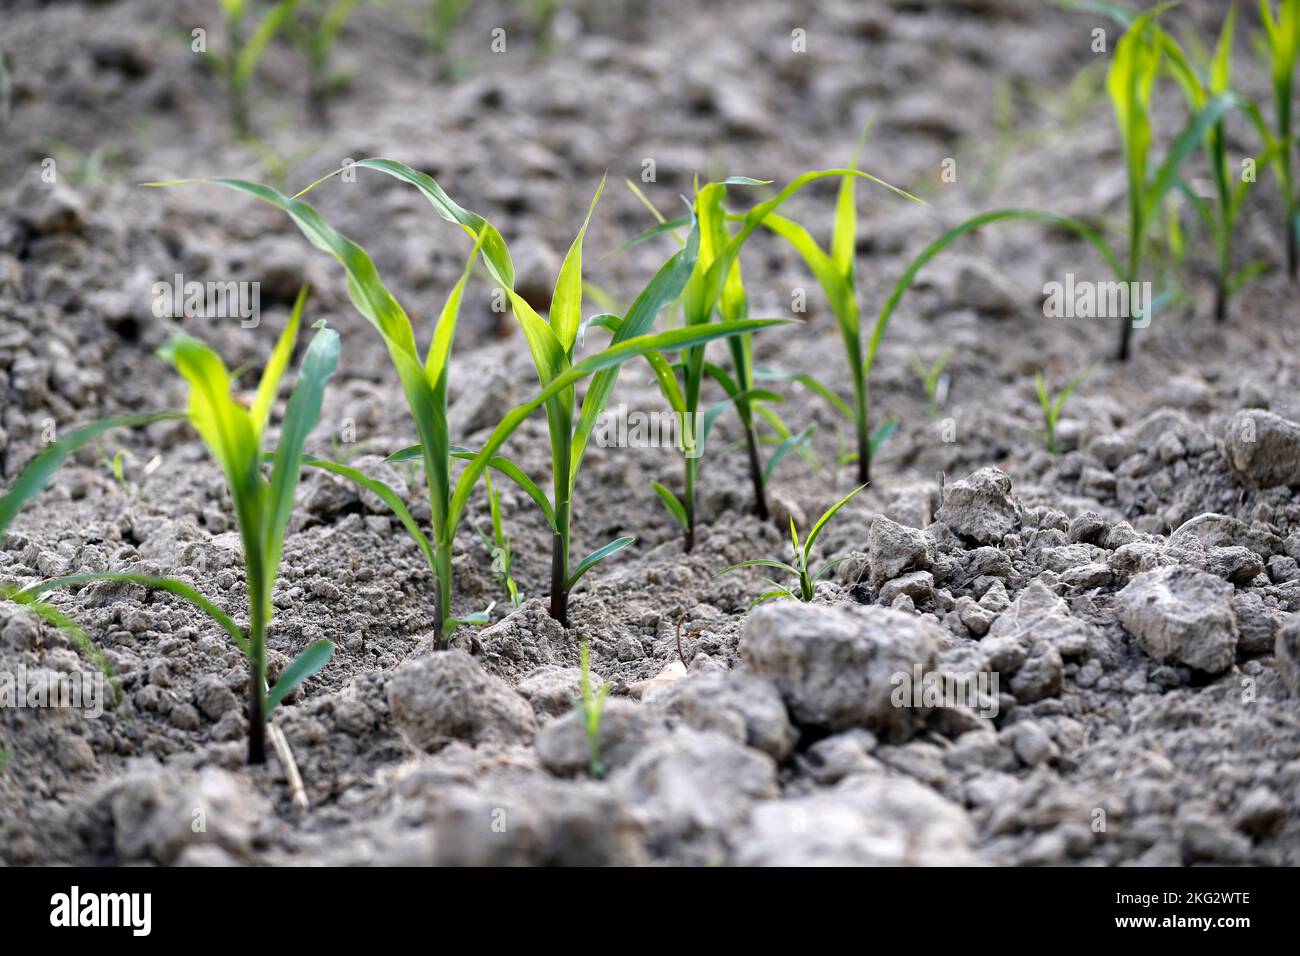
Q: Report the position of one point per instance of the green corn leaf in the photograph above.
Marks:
(173, 585)
(315, 656)
(882, 434)
(970, 225)
(664, 288)
(300, 419)
(251, 53)
(516, 474)
(600, 554)
(611, 357)
(386, 494)
(605, 320)
(668, 383)
(830, 566)
(1182, 147)
(478, 619)
(808, 382)
(495, 253)
(32, 479)
(672, 503)
(566, 300)
(279, 361)
(75, 633)
(821, 522)
(777, 592)
(435, 364)
(784, 449)
(760, 563)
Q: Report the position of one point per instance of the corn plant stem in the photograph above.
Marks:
(744, 371)
(257, 686)
(560, 564)
(235, 89)
(692, 466)
(756, 472)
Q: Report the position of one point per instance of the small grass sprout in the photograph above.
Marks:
(262, 504)
(498, 545)
(590, 707)
(315, 31)
(1052, 407)
(933, 380)
(806, 578)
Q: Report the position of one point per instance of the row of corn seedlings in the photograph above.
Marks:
(703, 277)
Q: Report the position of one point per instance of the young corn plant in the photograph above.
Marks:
(1052, 407)
(806, 578)
(591, 706)
(247, 38)
(836, 272)
(1282, 34)
(262, 504)
(498, 545)
(718, 288)
(444, 17)
(315, 31)
(424, 382)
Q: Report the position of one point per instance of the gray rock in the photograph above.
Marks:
(446, 696)
(1263, 448)
(553, 689)
(835, 667)
(50, 208)
(1287, 650)
(918, 586)
(980, 507)
(1039, 615)
(22, 629)
(874, 820)
(158, 813)
(1183, 616)
(1031, 743)
(625, 728)
(1040, 675)
(746, 709)
(893, 549)
(1088, 527)
(1261, 813)
(985, 289)
(214, 698)
(694, 789)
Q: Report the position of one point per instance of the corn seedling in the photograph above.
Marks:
(1052, 406)
(590, 706)
(1282, 36)
(424, 383)
(262, 504)
(836, 272)
(6, 91)
(444, 17)
(315, 31)
(933, 380)
(806, 578)
(247, 38)
(718, 287)
(498, 545)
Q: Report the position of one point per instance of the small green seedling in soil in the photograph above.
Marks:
(717, 287)
(1282, 36)
(443, 18)
(836, 272)
(933, 380)
(498, 545)
(247, 38)
(424, 382)
(1052, 406)
(6, 91)
(315, 31)
(590, 707)
(262, 504)
(806, 579)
